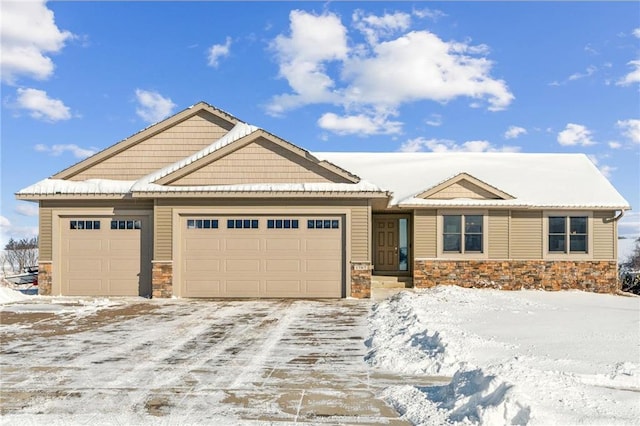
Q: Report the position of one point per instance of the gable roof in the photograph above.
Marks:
(532, 180)
(465, 178)
(144, 134)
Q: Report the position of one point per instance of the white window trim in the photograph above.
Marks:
(485, 234)
(567, 256)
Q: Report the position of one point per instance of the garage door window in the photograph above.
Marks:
(282, 224)
(84, 224)
(242, 224)
(323, 224)
(202, 224)
(126, 224)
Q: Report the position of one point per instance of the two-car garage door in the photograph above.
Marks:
(261, 256)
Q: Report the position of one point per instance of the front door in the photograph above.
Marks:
(391, 244)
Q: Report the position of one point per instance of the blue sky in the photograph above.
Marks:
(78, 77)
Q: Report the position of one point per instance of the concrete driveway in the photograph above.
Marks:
(132, 361)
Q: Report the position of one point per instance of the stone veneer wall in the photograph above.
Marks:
(45, 278)
(162, 279)
(595, 276)
(361, 280)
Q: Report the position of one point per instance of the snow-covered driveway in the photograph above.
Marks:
(134, 361)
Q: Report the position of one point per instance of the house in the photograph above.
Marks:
(205, 205)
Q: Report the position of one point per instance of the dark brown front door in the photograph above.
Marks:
(386, 244)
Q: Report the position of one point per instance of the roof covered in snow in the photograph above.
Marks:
(526, 180)
(541, 180)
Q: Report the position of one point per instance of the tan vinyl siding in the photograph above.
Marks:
(259, 162)
(425, 234)
(360, 229)
(45, 249)
(167, 147)
(463, 189)
(604, 235)
(498, 234)
(163, 233)
(526, 235)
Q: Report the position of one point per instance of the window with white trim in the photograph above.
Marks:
(323, 224)
(462, 233)
(568, 234)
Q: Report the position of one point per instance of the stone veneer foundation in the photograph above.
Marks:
(162, 279)
(595, 276)
(361, 280)
(45, 278)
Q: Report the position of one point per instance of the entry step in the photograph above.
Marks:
(389, 281)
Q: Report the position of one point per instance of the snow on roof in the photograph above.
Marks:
(69, 187)
(541, 180)
(361, 186)
(238, 131)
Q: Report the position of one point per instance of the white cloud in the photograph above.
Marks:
(435, 120)
(218, 51)
(630, 129)
(588, 73)
(27, 209)
(408, 66)
(375, 27)
(614, 144)
(633, 76)
(57, 150)
(153, 107)
(433, 14)
(41, 107)
(9, 230)
(605, 169)
(314, 40)
(575, 134)
(28, 35)
(636, 33)
(630, 224)
(514, 132)
(445, 145)
(359, 124)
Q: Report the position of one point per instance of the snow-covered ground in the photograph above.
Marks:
(525, 357)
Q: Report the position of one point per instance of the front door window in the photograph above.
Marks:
(391, 242)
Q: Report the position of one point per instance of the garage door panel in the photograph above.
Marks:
(199, 243)
(241, 265)
(124, 287)
(84, 244)
(80, 287)
(242, 288)
(278, 260)
(283, 244)
(203, 265)
(203, 288)
(83, 266)
(283, 265)
(320, 265)
(242, 244)
(283, 288)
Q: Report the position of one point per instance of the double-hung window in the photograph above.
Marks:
(568, 234)
(462, 233)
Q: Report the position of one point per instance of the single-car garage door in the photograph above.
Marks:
(105, 256)
(262, 256)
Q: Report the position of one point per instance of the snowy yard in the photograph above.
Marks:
(527, 357)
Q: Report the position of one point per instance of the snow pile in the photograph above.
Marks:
(8, 295)
(527, 357)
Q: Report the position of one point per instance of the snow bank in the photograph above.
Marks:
(527, 357)
(8, 295)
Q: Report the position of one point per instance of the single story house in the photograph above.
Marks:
(205, 205)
